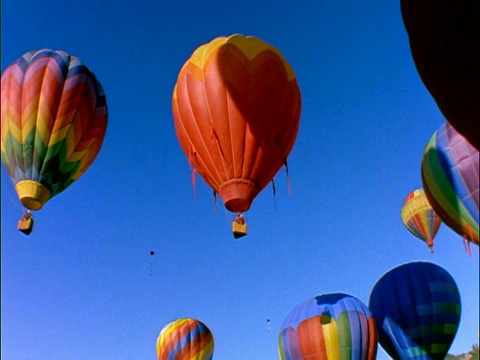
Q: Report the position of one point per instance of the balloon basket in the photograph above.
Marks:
(25, 225)
(239, 230)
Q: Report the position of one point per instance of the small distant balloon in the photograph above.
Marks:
(419, 217)
(151, 254)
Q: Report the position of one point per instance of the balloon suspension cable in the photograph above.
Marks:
(194, 182)
(214, 202)
(468, 247)
(274, 198)
(289, 187)
(239, 218)
(27, 214)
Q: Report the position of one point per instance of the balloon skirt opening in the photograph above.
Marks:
(32, 194)
(238, 194)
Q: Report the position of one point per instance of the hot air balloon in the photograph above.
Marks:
(54, 118)
(331, 326)
(450, 177)
(236, 108)
(419, 217)
(185, 339)
(416, 307)
(445, 46)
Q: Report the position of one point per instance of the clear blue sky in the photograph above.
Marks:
(79, 287)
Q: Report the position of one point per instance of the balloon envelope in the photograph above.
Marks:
(419, 217)
(54, 118)
(445, 46)
(331, 326)
(417, 308)
(236, 108)
(450, 177)
(185, 339)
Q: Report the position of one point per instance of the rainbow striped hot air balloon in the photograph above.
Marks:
(330, 327)
(185, 339)
(54, 119)
(419, 217)
(417, 308)
(450, 176)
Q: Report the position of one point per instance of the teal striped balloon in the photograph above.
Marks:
(450, 176)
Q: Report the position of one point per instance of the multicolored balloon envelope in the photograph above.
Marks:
(417, 308)
(54, 118)
(236, 106)
(445, 46)
(331, 326)
(185, 339)
(450, 177)
(419, 217)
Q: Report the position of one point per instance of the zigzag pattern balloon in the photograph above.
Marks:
(54, 118)
(185, 339)
(419, 217)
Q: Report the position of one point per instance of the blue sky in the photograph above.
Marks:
(80, 287)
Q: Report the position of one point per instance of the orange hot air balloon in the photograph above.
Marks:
(236, 107)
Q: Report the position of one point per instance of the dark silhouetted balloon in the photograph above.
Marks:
(444, 41)
(417, 308)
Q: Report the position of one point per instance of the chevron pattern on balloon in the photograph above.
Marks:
(54, 117)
